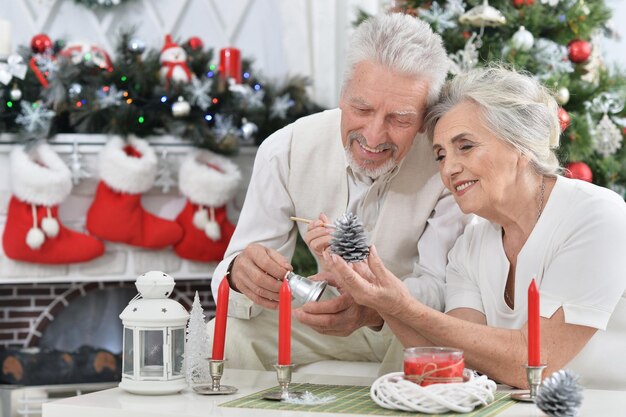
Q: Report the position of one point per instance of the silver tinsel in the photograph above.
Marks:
(560, 394)
(349, 239)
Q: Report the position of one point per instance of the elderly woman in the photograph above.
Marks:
(493, 131)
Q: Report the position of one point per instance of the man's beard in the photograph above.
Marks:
(370, 171)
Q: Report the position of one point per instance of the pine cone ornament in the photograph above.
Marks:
(349, 239)
(560, 394)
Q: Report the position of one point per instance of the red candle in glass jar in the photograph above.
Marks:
(221, 312)
(230, 64)
(433, 365)
(284, 324)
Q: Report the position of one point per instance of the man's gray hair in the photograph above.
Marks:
(403, 44)
(514, 106)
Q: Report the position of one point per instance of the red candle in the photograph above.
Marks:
(221, 311)
(433, 365)
(230, 64)
(284, 324)
(534, 333)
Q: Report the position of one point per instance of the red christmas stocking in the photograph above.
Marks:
(40, 180)
(209, 181)
(116, 214)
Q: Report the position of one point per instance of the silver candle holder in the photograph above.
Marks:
(216, 369)
(303, 289)
(534, 376)
(283, 374)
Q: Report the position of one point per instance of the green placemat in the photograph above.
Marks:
(352, 399)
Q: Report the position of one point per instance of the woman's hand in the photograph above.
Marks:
(369, 282)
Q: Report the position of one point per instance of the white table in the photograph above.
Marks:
(118, 403)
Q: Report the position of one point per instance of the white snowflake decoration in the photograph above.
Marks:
(550, 2)
(607, 137)
(46, 63)
(110, 97)
(249, 96)
(35, 118)
(165, 178)
(199, 92)
(223, 127)
(75, 163)
(464, 59)
(443, 18)
(280, 106)
(552, 57)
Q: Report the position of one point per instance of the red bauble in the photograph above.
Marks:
(578, 51)
(40, 43)
(564, 119)
(520, 3)
(195, 43)
(579, 170)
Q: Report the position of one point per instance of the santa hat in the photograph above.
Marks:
(208, 180)
(169, 43)
(128, 167)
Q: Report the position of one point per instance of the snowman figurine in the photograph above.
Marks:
(173, 59)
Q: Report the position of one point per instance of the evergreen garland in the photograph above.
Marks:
(349, 239)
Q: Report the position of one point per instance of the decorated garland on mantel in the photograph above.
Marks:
(59, 87)
(102, 4)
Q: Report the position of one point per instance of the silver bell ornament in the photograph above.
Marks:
(303, 289)
(15, 93)
(50, 226)
(181, 108)
(35, 238)
(562, 96)
(523, 39)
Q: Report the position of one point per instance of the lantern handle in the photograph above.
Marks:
(135, 298)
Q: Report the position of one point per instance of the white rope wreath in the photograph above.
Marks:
(394, 392)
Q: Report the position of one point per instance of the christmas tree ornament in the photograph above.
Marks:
(579, 170)
(564, 119)
(552, 3)
(521, 3)
(181, 107)
(607, 138)
(74, 90)
(199, 92)
(552, 58)
(35, 118)
(154, 338)
(164, 177)
(280, 106)
(173, 59)
(87, 54)
(562, 96)
(13, 67)
(249, 97)
(195, 43)
(578, 51)
(116, 214)
(209, 182)
(15, 93)
(523, 39)
(248, 131)
(108, 96)
(40, 43)
(197, 346)
(560, 395)
(442, 18)
(136, 46)
(467, 58)
(40, 181)
(76, 165)
(224, 129)
(483, 15)
(349, 240)
(303, 289)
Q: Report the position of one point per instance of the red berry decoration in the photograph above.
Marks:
(195, 43)
(564, 119)
(579, 170)
(40, 43)
(520, 3)
(578, 51)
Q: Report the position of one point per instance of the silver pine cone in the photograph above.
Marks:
(560, 395)
(349, 239)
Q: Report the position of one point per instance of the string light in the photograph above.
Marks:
(9, 104)
(214, 101)
(208, 117)
(163, 99)
(212, 67)
(140, 119)
(246, 75)
(79, 104)
(123, 78)
(106, 88)
(210, 74)
(257, 87)
(87, 56)
(129, 101)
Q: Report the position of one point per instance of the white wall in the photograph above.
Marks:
(614, 50)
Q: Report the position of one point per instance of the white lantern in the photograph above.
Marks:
(154, 338)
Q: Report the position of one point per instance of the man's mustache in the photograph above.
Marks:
(363, 142)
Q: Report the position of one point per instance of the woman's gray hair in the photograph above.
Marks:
(403, 44)
(514, 106)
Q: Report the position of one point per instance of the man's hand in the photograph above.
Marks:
(318, 237)
(339, 316)
(257, 273)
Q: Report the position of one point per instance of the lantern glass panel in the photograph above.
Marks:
(178, 348)
(151, 359)
(128, 352)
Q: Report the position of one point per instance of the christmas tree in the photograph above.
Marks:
(557, 41)
(197, 346)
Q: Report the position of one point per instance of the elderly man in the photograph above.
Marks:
(369, 158)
